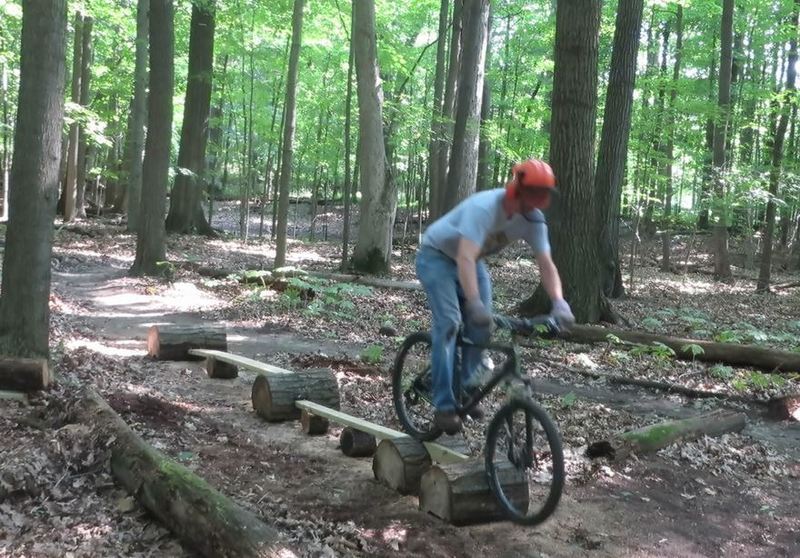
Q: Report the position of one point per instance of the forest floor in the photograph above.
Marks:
(736, 495)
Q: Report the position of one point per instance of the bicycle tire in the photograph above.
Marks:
(406, 392)
(517, 507)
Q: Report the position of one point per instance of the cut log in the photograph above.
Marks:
(658, 436)
(368, 280)
(765, 358)
(400, 463)
(219, 369)
(20, 398)
(313, 425)
(174, 342)
(200, 516)
(274, 394)
(24, 374)
(356, 443)
(460, 493)
(784, 408)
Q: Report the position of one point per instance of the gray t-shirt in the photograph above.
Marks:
(482, 219)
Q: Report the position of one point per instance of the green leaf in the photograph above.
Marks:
(568, 400)
(694, 349)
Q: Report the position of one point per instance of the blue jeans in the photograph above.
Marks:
(438, 274)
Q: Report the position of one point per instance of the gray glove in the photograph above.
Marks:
(562, 314)
(476, 315)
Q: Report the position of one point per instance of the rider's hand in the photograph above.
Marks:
(562, 313)
(476, 315)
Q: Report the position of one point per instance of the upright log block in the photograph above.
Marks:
(24, 374)
(460, 493)
(313, 425)
(221, 370)
(400, 463)
(357, 443)
(174, 342)
(274, 395)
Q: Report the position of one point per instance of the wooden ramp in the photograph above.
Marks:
(238, 360)
(438, 452)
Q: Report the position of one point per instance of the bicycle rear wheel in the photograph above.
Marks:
(412, 387)
(522, 441)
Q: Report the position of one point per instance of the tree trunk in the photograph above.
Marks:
(80, 175)
(185, 210)
(729, 353)
(722, 266)
(348, 176)
(287, 144)
(150, 242)
(435, 142)
(200, 516)
(137, 118)
(574, 231)
(482, 181)
(777, 159)
(658, 436)
(463, 166)
(25, 298)
(614, 137)
(71, 181)
(669, 151)
(373, 250)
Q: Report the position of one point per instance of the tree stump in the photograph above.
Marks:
(658, 436)
(313, 425)
(460, 493)
(356, 443)
(219, 369)
(784, 408)
(174, 342)
(274, 394)
(24, 374)
(400, 463)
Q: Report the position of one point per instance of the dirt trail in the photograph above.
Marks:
(640, 509)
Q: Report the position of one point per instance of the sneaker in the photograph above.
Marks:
(449, 421)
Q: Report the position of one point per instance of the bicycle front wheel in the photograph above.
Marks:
(412, 387)
(525, 462)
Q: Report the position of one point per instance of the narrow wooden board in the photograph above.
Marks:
(240, 361)
(438, 452)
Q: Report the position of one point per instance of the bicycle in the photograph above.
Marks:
(541, 464)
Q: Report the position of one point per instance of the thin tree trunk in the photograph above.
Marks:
(80, 175)
(435, 143)
(670, 146)
(288, 133)
(348, 184)
(71, 181)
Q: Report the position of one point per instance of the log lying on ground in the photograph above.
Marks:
(220, 370)
(274, 395)
(368, 280)
(460, 493)
(356, 443)
(729, 353)
(24, 374)
(174, 342)
(313, 425)
(204, 519)
(400, 463)
(785, 408)
(658, 436)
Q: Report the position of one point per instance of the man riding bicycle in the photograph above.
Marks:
(450, 267)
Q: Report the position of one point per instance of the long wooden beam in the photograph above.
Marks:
(240, 361)
(438, 452)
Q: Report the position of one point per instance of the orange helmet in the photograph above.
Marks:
(535, 177)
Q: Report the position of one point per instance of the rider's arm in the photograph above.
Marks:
(548, 272)
(466, 257)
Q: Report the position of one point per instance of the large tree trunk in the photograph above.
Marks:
(777, 159)
(200, 516)
(25, 299)
(463, 167)
(373, 250)
(150, 241)
(722, 265)
(613, 148)
(729, 353)
(134, 137)
(288, 133)
(574, 231)
(435, 142)
(185, 211)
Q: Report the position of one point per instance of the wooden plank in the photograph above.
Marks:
(14, 396)
(240, 361)
(438, 452)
